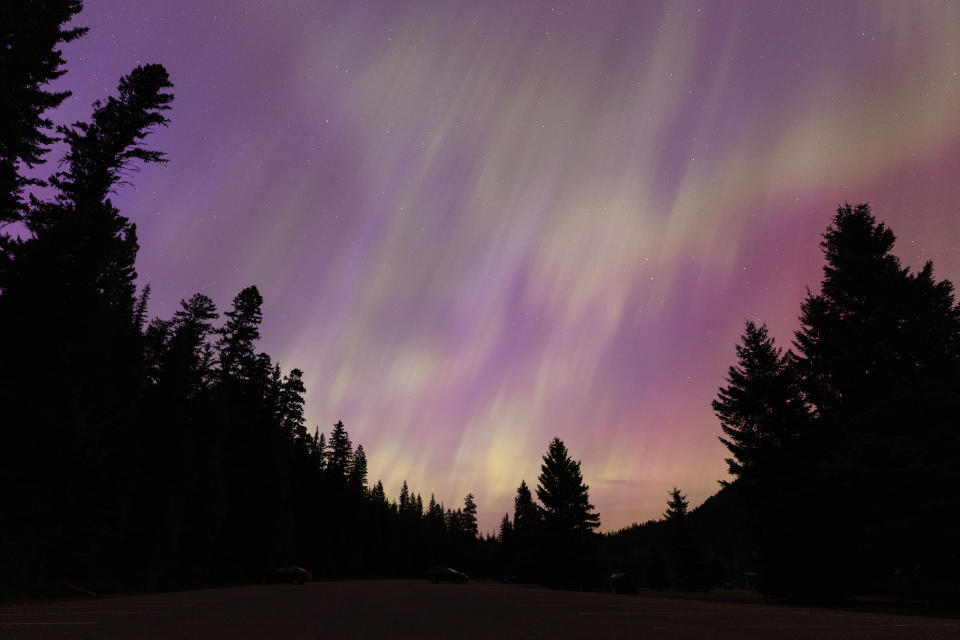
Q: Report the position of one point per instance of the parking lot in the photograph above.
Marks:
(417, 609)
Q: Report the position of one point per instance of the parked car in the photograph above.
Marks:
(445, 574)
(290, 574)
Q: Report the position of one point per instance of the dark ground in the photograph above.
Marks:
(416, 609)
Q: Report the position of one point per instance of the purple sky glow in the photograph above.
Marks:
(477, 225)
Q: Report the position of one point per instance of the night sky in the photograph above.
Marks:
(477, 225)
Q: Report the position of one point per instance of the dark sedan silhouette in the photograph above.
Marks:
(445, 574)
(289, 573)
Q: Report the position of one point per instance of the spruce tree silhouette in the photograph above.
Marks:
(677, 507)
(468, 521)
(358, 470)
(377, 494)
(561, 490)
(320, 450)
(291, 402)
(435, 527)
(768, 430)
(761, 410)
(568, 519)
(341, 452)
(190, 357)
(880, 348)
(30, 59)
(249, 436)
(526, 515)
(684, 552)
(238, 362)
(403, 503)
(526, 533)
(506, 530)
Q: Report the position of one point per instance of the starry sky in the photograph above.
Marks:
(478, 225)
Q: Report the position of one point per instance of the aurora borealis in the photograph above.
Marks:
(479, 225)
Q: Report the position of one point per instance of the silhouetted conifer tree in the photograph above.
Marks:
(468, 520)
(30, 59)
(358, 470)
(567, 517)
(851, 332)
(341, 451)
(526, 533)
(677, 507)
(378, 495)
(879, 348)
(526, 516)
(80, 247)
(291, 403)
(320, 450)
(156, 344)
(506, 529)
(235, 347)
(768, 430)
(436, 524)
(191, 355)
(561, 490)
(761, 411)
(685, 554)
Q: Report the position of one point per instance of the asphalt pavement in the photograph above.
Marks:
(417, 609)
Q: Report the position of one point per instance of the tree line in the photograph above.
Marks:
(170, 452)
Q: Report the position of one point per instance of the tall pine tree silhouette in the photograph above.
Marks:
(341, 451)
(568, 518)
(880, 365)
(469, 519)
(761, 410)
(561, 490)
(30, 59)
(526, 515)
(358, 470)
(238, 361)
(677, 507)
